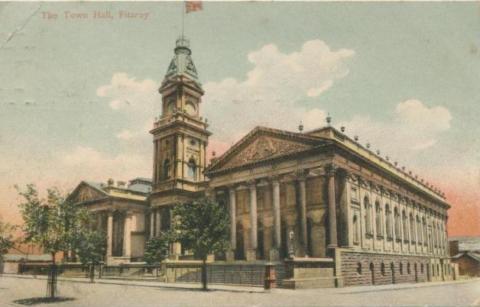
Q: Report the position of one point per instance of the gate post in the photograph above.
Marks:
(270, 277)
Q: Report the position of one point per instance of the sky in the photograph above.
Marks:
(79, 95)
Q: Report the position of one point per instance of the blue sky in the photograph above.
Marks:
(77, 97)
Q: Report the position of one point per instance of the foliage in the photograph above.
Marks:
(89, 244)
(6, 238)
(50, 222)
(157, 248)
(202, 227)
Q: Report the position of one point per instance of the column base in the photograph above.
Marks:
(274, 255)
(230, 255)
(251, 255)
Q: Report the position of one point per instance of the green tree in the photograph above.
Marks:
(88, 243)
(6, 238)
(50, 222)
(156, 249)
(202, 227)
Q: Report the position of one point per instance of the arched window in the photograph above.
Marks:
(405, 226)
(368, 213)
(412, 229)
(166, 169)
(356, 230)
(388, 221)
(398, 230)
(424, 233)
(378, 220)
(192, 169)
(359, 268)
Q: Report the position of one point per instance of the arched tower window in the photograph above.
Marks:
(166, 169)
(192, 169)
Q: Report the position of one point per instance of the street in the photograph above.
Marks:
(154, 294)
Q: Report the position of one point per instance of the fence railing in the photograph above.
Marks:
(242, 274)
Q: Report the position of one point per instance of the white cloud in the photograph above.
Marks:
(125, 135)
(273, 88)
(412, 127)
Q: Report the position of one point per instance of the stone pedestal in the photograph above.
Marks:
(274, 255)
(251, 255)
(230, 255)
(303, 273)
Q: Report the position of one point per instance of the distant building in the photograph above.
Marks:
(316, 200)
(465, 251)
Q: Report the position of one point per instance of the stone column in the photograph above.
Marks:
(277, 233)
(152, 224)
(303, 212)
(127, 246)
(347, 211)
(332, 209)
(109, 234)
(158, 222)
(233, 224)
(251, 253)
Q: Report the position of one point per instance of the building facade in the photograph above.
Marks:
(317, 198)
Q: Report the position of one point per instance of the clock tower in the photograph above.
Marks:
(180, 135)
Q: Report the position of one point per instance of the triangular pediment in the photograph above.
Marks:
(86, 192)
(263, 144)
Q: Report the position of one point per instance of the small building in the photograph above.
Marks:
(120, 211)
(465, 252)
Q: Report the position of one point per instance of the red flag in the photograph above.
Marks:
(193, 6)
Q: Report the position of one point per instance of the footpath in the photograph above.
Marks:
(244, 289)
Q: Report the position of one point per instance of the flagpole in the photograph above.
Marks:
(183, 19)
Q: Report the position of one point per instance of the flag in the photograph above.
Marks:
(193, 6)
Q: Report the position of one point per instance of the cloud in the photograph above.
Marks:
(125, 135)
(273, 89)
(412, 127)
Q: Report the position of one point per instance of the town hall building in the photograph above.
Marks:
(332, 210)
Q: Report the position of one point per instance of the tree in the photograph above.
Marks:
(156, 249)
(89, 244)
(6, 239)
(202, 227)
(51, 223)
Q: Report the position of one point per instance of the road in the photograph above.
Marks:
(98, 294)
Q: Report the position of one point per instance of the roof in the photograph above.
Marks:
(330, 135)
(182, 63)
(466, 243)
(472, 255)
(138, 191)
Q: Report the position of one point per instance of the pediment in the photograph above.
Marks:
(85, 192)
(262, 144)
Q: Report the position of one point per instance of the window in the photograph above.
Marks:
(412, 229)
(408, 268)
(378, 220)
(166, 169)
(359, 268)
(398, 231)
(419, 230)
(368, 223)
(421, 268)
(424, 233)
(401, 268)
(356, 232)
(405, 226)
(192, 169)
(388, 221)
(382, 268)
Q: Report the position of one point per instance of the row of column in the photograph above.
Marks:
(276, 212)
(412, 236)
(127, 229)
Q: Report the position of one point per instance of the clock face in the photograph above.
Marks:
(190, 108)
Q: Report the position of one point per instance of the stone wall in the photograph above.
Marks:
(379, 269)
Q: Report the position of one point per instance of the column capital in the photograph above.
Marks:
(301, 174)
(330, 169)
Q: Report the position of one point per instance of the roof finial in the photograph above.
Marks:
(329, 119)
(300, 126)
